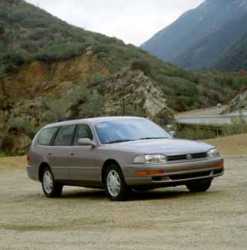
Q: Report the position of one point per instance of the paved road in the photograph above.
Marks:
(213, 118)
(163, 219)
(210, 119)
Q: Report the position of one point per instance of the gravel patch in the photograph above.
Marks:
(167, 218)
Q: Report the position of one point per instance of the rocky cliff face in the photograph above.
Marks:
(238, 103)
(42, 93)
(131, 92)
(39, 78)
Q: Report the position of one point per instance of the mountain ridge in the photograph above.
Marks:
(200, 37)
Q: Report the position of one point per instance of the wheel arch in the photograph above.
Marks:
(106, 164)
(42, 166)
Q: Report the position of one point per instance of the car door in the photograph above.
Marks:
(60, 154)
(85, 164)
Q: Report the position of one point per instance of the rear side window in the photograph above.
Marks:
(46, 136)
(65, 136)
(83, 131)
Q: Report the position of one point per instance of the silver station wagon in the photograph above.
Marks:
(119, 154)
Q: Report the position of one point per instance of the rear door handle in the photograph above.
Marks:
(72, 154)
(49, 154)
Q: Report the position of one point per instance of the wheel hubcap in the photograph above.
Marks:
(113, 183)
(48, 182)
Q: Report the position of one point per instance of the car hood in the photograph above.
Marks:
(162, 146)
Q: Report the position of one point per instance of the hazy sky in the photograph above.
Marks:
(133, 21)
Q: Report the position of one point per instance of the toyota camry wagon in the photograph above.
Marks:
(119, 154)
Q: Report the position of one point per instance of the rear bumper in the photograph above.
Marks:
(174, 174)
(31, 173)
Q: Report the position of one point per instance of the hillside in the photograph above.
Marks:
(235, 57)
(52, 71)
(29, 33)
(207, 33)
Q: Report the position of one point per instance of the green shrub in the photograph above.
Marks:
(2, 30)
(3, 154)
(238, 126)
(143, 66)
(196, 132)
(56, 109)
(21, 124)
(57, 52)
(15, 57)
(78, 102)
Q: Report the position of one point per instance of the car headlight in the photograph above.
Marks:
(152, 159)
(213, 153)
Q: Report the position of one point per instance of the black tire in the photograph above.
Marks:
(55, 189)
(199, 186)
(122, 193)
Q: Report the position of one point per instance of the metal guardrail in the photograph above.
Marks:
(210, 119)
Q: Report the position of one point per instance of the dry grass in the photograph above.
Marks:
(13, 162)
(231, 145)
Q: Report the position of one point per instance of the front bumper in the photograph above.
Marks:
(173, 174)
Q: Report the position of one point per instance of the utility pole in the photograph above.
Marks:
(123, 107)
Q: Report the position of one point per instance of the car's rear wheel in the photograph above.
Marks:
(115, 186)
(199, 186)
(50, 187)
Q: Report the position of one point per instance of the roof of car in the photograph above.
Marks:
(92, 120)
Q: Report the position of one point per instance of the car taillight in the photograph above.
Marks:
(28, 159)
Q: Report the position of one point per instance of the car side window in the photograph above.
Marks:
(83, 131)
(65, 136)
(46, 136)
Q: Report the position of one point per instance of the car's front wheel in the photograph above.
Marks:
(115, 186)
(50, 187)
(199, 186)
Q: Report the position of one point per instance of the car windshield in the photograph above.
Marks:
(129, 130)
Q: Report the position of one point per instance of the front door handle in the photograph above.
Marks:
(72, 154)
(49, 154)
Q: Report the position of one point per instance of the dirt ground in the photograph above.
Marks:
(84, 219)
(202, 112)
(231, 145)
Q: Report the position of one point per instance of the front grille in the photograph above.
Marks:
(189, 175)
(176, 157)
(187, 156)
(199, 155)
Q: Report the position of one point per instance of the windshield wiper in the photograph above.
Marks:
(139, 139)
(152, 138)
(118, 141)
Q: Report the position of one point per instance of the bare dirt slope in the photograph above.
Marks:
(162, 219)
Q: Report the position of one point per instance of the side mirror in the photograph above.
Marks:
(86, 142)
(173, 134)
